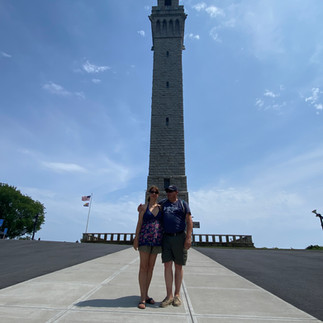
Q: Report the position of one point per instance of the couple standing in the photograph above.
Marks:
(166, 228)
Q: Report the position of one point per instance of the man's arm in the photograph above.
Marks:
(141, 207)
(189, 229)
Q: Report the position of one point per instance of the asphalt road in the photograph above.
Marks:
(295, 276)
(22, 260)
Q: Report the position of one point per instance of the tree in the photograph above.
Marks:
(19, 212)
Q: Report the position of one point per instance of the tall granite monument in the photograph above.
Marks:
(167, 154)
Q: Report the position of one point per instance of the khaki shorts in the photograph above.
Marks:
(173, 249)
(150, 249)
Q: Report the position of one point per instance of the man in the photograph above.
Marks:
(178, 228)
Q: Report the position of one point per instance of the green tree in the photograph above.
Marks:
(19, 212)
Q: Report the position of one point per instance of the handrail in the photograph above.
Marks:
(225, 240)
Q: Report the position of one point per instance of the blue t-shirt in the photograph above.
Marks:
(175, 215)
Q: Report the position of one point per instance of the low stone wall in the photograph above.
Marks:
(211, 240)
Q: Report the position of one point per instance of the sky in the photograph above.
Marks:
(75, 99)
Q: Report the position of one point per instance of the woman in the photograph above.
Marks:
(148, 240)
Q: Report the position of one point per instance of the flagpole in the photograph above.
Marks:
(88, 214)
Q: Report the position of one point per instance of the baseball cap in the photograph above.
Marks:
(171, 188)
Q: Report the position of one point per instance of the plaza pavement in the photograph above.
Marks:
(106, 290)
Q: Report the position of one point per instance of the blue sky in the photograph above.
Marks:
(75, 96)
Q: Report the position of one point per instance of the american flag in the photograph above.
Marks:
(86, 198)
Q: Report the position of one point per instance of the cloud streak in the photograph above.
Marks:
(59, 90)
(141, 33)
(269, 101)
(314, 99)
(64, 167)
(193, 36)
(93, 69)
(212, 11)
(6, 55)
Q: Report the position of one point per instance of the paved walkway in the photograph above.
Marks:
(106, 290)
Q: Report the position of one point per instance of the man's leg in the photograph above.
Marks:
(167, 259)
(178, 278)
(180, 261)
(168, 273)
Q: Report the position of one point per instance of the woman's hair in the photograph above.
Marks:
(155, 188)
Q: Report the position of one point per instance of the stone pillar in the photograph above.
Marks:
(167, 154)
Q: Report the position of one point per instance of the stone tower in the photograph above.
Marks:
(167, 155)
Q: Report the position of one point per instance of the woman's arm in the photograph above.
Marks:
(139, 224)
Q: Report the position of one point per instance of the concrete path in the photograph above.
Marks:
(293, 275)
(106, 290)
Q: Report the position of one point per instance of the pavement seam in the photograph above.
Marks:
(229, 288)
(130, 312)
(255, 317)
(188, 303)
(91, 292)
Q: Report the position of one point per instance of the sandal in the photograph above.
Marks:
(142, 305)
(150, 301)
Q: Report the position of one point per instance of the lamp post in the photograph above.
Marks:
(320, 216)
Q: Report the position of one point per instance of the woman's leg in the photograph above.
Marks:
(151, 265)
(143, 274)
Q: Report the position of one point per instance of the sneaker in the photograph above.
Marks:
(177, 301)
(166, 302)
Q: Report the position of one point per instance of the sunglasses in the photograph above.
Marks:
(153, 192)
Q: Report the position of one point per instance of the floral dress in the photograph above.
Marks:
(151, 232)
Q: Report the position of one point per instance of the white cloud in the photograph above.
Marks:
(6, 55)
(259, 103)
(230, 23)
(96, 81)
(214, 34)
(200, 6)
(271, 94)
(64, 167)
(192, 36)
(80, 95)
(214, 11)
(270, 101)
(263, 24)
(141, 33)
(57, 89)
(314, 99)
(91, 68)
(115, 170)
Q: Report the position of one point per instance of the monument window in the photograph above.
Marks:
(166, 182)
(168, 2)
(177, 27)
(167, 84)
(164, 28)
(171, 27)
(167, 122)
(167, 54)
(158, 27)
